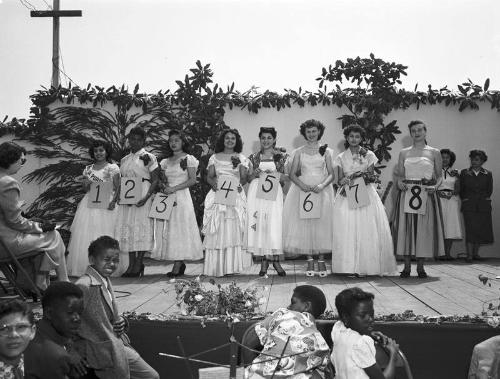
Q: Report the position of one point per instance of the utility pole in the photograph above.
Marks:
(55, 13)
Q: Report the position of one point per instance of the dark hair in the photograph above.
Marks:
(59, 291)
(312, 124)
(353, 128)
(314, 295)
(416, 122)
(453, 156)
(219, 144)
(16, 306)
(102, 243)
(138, 131)
(97, 143)
(478, 153)
(270, 131)
(10, 153)
(185, 143)
(347, 300)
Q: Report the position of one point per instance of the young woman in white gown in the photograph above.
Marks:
(362, 241)
(264, 226)
(311, 171)
(91, 223)
(178, 173)
(448, 193)
(224, 226)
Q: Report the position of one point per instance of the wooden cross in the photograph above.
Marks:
(55, 14)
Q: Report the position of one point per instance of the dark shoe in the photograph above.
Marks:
(182, 269)
(279, 269)
(405, 273)
(468, 259)
(137, 274)
(478, 258)
(264, 265)
(422, 274)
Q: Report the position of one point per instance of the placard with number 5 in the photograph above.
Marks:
(227, 190)
(415, 199)
(130, 190)
(268, 186)
(100, 195)
(309, 205)
(357, 194)
(162, 206)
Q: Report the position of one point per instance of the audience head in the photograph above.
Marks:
(229, 139)
(448, 157)
(12, 157)
(176, 141)
(136, 138)
(62, 305)
(477, 158)
(309, 299)
(355, 309)
(104, 255)
(17, 329)
(354, 135)
(100, 150)
(267, 136)
(312, 130)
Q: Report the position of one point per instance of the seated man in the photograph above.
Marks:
(17, 329)
(51, 354)
(291, 333)
(485, 361)
(103, 339)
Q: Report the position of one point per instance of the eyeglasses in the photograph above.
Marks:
(21, 329)
(23, 161)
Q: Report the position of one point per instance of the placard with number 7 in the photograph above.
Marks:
(357, 194)
(100, 194)
(130, 190)
(268, 186)
(227, 190)
(162, 206)
(309, 205)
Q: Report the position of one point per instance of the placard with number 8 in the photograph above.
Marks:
(100, 195)
(415, 199)
(227, 190)
(268, 186)
(130, 190)
(309, 205)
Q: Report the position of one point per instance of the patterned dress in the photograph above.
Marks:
(306, 352)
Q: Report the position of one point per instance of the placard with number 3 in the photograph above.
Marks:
(227, 190)
(162, 206)
(268, 186)
(130, 190)
(309, 205)
(100, 195)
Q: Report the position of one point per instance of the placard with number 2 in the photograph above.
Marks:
(162, 206)
(309, 205)
(100, 194)
(130, 190)
(227, 190)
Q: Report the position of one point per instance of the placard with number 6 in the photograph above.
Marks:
(415, 199)
(227, 190)
(268, 186)
(162, 206)
(309, 205)
(130, 190)
(100, 195)
(357, 194)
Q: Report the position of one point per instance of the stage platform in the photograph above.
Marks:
(452, 288)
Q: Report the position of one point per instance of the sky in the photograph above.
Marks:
(270, 44)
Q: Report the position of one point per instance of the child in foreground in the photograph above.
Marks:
(291, 332)
(353, 351)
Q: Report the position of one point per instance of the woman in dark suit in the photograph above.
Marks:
(476, 186)
(19, 234)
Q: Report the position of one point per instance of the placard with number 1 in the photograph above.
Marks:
(100, 194)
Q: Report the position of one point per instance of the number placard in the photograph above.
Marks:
(415, 199)
(100, 194)
(162, 206)
(130, 190)
(309, 205)
(227, 190)
(357, 194)
(268, 186)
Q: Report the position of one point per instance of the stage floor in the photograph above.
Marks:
(451, 289)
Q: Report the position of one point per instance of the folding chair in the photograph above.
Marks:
(10, 265)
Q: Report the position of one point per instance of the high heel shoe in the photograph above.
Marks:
(182, 269)
(405, 273)
(322, 273)
(279, 269)
(310, 268)
(137, 274)
(263, 267)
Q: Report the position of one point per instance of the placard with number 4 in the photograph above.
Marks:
(268, 186)
(130, 190)
(162, 206)
(309, 205)
(100, 195)
(227, 190)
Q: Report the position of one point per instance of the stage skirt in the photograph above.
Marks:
(362, 241)
(224, 228)
(421, 236)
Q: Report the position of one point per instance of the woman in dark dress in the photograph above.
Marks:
(476, 186)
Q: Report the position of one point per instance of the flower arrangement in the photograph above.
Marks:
(194, 298)
(145, 158)
(235, 160)
(491, 308)
(183, 163)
